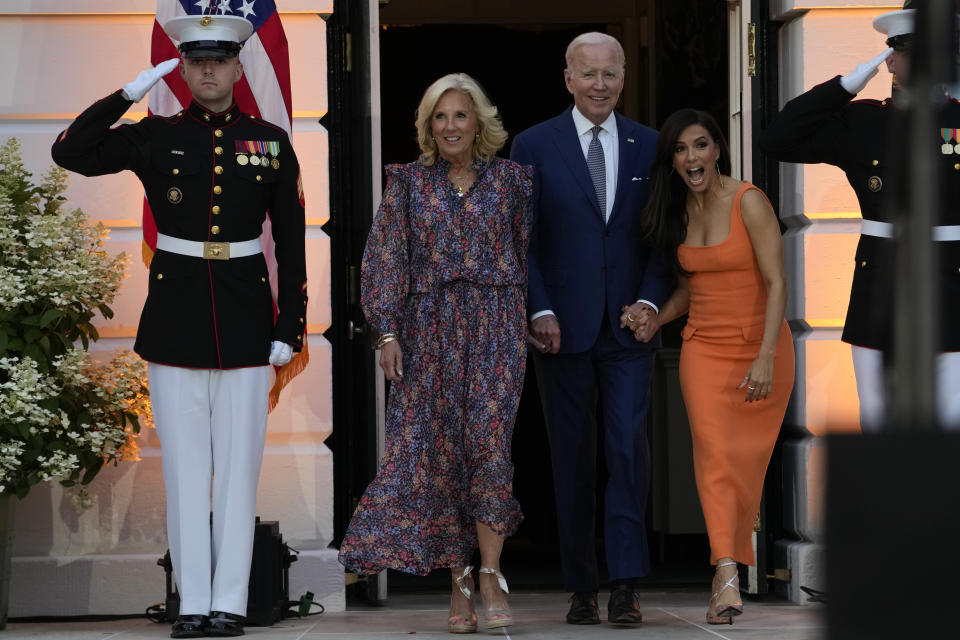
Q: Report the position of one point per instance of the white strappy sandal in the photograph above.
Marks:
(497, 617)
(463, 624)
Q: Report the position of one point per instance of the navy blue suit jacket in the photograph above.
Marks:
(578, 263)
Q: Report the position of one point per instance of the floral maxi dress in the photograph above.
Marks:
(447, 274)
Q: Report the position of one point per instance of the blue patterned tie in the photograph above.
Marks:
(598, 171)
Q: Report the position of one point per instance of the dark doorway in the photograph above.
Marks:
(521, 67)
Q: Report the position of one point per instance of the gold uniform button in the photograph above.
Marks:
(956, 167)
(176, 171)
(875, 162)
(218, 189)
(863, 264)
(299, 338)
(218, 169)
(159, 276)
(215, 209)
(301, 320)
(219, 150)
(262, 279)
(214, 229)
(259, 178)
(218, 133)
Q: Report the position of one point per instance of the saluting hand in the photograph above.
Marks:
(856, 80)
(139, 86)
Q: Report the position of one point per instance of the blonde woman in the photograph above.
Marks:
(443, 283)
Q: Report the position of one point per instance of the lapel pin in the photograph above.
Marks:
(630, 140)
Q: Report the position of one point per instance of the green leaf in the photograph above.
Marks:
(92, 471)
(32, 321)
(49, 316)
(44, 343)
(105, 311)
(3, 341)
(33, 352)
(31, 335)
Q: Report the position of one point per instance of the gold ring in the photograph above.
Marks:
(630, 318)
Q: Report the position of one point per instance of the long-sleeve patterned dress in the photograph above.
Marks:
(447, 274)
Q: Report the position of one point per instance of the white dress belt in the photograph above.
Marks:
(941, 233)
(209, 250)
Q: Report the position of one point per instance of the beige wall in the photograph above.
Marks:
(102, 561)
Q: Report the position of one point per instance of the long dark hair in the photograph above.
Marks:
(665, 216)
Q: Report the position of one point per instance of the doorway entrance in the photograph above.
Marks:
(520, 65)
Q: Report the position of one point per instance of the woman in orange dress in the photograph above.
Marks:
(737, 361)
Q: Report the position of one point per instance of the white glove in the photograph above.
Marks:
(280, 353)
(138, 88)
(856, 80)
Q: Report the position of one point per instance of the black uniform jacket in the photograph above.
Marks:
(826, 125)
(202, 184)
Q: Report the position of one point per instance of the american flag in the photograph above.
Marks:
(263, 91)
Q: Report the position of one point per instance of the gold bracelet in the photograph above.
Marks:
(385, 338)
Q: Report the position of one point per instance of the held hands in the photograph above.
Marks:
(856, 80)
(138, 88)
(544, 334)
(641, 319)
(759, 378)
(391, 361)
(280, 353)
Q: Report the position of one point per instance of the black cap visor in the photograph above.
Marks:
(210, 49)
(902, 43)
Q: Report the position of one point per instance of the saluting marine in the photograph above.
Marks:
(826, 124)
(211, 174)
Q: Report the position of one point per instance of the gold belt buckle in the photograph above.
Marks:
(216, 250)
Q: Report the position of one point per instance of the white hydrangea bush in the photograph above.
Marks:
(63, 414)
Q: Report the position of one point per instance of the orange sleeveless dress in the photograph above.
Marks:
(732, 439)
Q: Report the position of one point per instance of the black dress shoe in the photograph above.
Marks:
(190, 626)
(583, 608)
(223, 624)
(623, 607)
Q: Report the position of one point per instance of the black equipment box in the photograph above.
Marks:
(269, 596)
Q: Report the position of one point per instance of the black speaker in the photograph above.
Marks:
(269, 593)
(893, 524)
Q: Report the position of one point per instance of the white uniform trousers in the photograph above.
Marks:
(871, 388)
(212, 425)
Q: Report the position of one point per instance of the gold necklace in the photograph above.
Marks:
(456, 182)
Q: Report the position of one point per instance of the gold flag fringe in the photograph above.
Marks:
(288, 372)
(147, 253)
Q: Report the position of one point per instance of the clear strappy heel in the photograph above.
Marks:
(724, 613)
